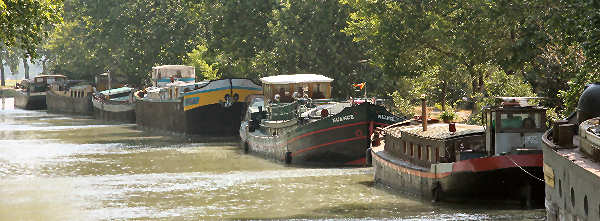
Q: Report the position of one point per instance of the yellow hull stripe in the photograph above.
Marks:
(214, 97)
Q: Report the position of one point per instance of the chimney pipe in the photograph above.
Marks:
(424, 112)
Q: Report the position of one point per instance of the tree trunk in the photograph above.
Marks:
(2, 83)
(444, 91)
(44, 66)
(26, 67)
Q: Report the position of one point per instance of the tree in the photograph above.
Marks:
(25, 23)
(2, 81)
(238, 34)
(125, 37)
(204, 71)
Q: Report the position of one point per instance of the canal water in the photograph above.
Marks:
(58, 167)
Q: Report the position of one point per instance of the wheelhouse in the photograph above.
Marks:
(165, 74)
(41, 82)
(514, 125)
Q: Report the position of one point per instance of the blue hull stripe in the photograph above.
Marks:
(204, 91)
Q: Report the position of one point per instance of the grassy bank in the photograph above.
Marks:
(9, 84)
(7, 92)
(8, 89)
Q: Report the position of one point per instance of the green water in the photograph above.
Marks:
(57, 167)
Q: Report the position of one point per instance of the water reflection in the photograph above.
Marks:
(55, 167)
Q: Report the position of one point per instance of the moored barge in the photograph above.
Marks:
(455, 162)
(70, 97)
(296, 122)
(31, 94)
(571, 162)
(176, 103)
(116, 105)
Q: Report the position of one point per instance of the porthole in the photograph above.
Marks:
(572, 197)
(585, 205)
(560, 188)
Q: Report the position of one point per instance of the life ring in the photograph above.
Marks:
(358, 133)
(324, 113)
(227, 100)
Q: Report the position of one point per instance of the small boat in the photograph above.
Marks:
(176, 103)
(31, 93)
(441, 161)
(297, 122)
(70, 97)
(572, 162)
(115, 105)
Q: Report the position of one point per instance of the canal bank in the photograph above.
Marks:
(57, 167)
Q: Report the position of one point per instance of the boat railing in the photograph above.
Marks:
(98, 97)
(283, 111)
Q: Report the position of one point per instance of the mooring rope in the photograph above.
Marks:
(527, 172)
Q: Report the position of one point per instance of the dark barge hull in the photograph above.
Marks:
(341, 139)
(208, 120)
(491, 178)
(33, 101)
(114, 112)
(69, 105)
(338, 140)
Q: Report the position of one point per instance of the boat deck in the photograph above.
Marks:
(379, 151)
(580, 159)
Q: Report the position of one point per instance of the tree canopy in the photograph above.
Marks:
(452, 51)
(25, 23)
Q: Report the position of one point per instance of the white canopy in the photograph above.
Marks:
(166, 71)
(296, 78)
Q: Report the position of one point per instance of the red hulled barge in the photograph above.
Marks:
(501, 160)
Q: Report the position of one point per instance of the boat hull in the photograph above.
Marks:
(117, 112)
(31, 101)
(69, 105)
(569, 187)
(488, 178)
(338, 140)
(208, 120)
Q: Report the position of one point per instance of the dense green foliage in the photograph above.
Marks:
(25, 23)
(455, 52)
(489, 48)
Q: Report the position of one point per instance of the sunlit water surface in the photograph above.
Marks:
(58, 167)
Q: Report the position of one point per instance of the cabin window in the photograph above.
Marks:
(520, 120)
(428, 152)
(437, 154)
(419, 153)
(404, 147)
(412, 150)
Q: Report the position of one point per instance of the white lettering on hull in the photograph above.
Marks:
(343, 118)
(385, 117)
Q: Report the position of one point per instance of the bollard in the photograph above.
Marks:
(566, 133)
